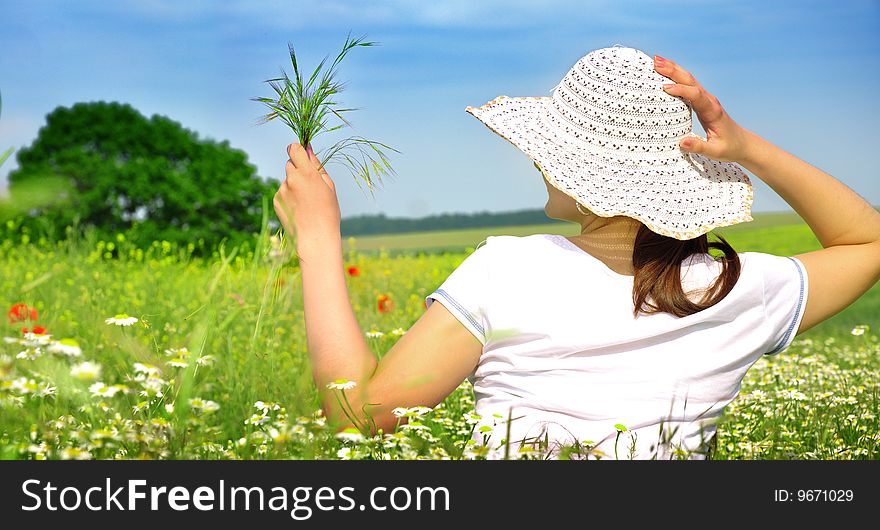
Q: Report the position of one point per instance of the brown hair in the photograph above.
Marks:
(657, 273)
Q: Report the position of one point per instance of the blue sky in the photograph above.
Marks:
(803, 74)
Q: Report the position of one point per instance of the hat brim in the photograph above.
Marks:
(574, 167)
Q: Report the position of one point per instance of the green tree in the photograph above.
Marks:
(150, 177)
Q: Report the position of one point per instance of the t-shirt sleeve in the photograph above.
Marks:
(785, 295)
(464, 292)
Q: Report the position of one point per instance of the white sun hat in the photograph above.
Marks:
(608, 137)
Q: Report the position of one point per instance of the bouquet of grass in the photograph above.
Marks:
(305, 106)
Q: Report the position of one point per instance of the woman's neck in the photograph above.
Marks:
(609, 239)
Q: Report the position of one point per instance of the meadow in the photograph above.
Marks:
(156, 353)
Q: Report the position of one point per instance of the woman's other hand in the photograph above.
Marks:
(306, 202)
(726, 140)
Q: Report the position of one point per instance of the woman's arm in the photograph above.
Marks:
(845, 224)
(423, 367)
(833, 211)
(336, 345)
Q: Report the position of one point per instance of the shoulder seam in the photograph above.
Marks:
(797, 312)
(467, 314)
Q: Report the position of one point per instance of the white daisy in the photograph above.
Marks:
(419, 411)
(148, 369)
(41, 448)
(257, 419)
(860, 329)
(277, 436)
(29, 354)
(472, 418)
(152, 386)
(374, 334)
(121, 320)
(45, 390)
(204, 405)
(205, 360)
(12, 401)
(22, 385)
(31, 339)
(86, 371)
(398, 331)
(350, 435)
(67, 347)
(74, 453)
(177, 363)
(101, 390)
(415, 426)
(266, 405)
(341, 384)
(183, 352)
(412, 412)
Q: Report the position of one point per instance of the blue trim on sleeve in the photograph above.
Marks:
(797, 313)
(460, 308)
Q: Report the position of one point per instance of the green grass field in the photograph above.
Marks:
(458, 240)
(216, 365)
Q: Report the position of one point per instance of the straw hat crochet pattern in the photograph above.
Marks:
(608, 137)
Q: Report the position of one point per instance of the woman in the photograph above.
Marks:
(629, 339)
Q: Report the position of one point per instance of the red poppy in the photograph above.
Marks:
(385, 304)
(20, 313)
(354, 271)
(37, 330)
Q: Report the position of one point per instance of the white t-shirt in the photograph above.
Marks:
(564, 355)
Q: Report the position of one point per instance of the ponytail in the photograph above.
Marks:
(657, 273)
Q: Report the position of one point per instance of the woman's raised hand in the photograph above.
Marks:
(306, 202)
(726, 140)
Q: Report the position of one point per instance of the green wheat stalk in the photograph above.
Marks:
(305, 106)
